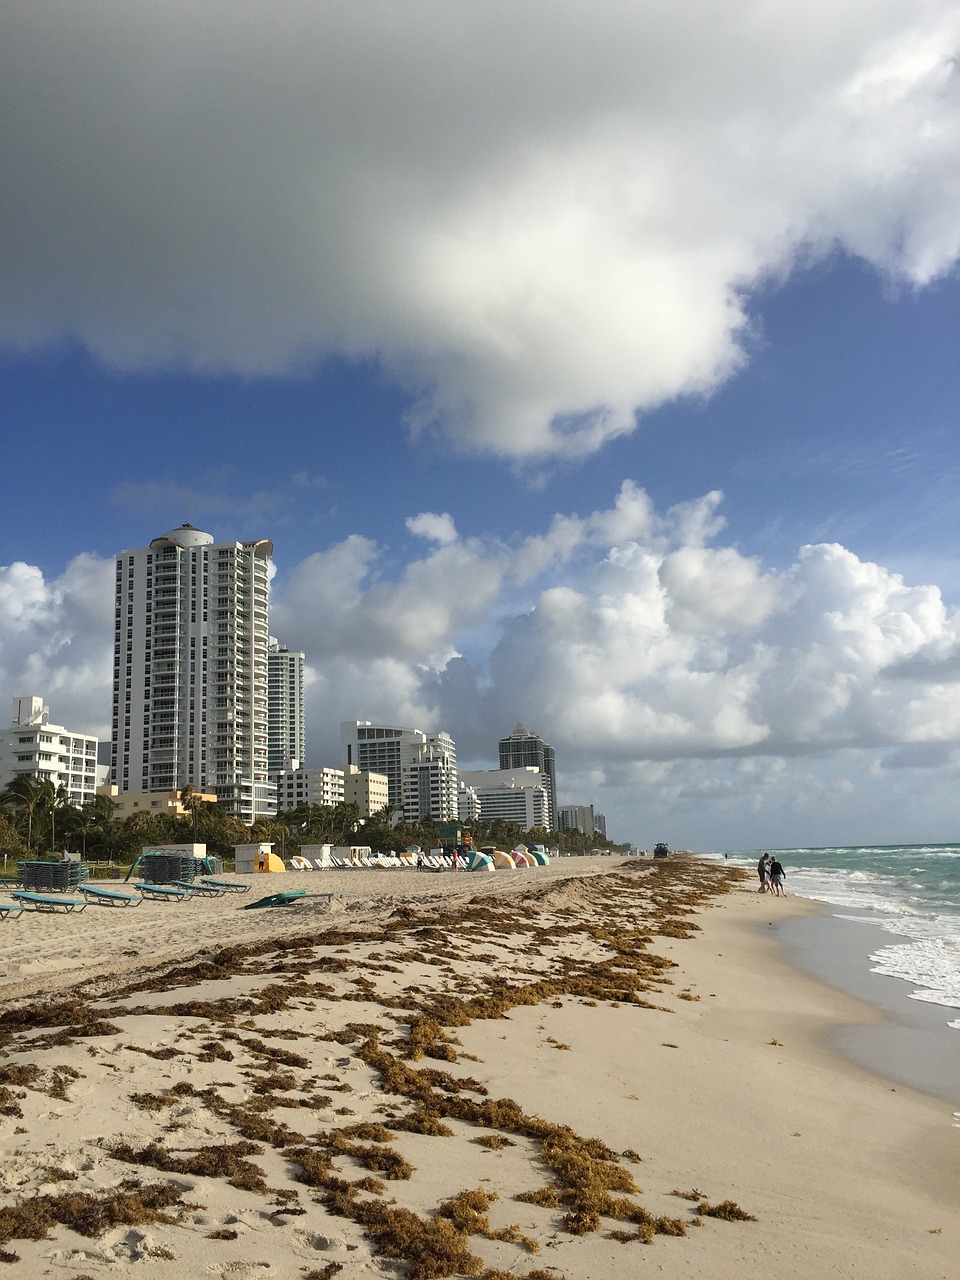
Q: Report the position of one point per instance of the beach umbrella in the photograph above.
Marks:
(539, 857)
(503, 862)
(522, 858)
(481, 862)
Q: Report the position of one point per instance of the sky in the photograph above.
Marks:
(594, 367)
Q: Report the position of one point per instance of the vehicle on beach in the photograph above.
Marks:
(661, 850)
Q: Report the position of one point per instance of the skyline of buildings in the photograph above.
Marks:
(205, 696)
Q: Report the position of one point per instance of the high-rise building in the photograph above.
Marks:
(190, 670)
(285, 725)
(46, 752)
(524, 748)
(421, 768)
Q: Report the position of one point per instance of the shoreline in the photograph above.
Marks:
(913, 1045)
(649, 1010)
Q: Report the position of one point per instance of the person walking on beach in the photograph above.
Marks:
(762, 872)
(777, 877)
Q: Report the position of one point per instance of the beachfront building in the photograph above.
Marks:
(521, 749)
(169, 802)
(286, 734)
(190, 670)
(420, 768)
(296, 786)
(513, 795)
(35, 748)
(468, 802)
(370, 792)
(580, 817)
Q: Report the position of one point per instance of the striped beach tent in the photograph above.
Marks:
(539, 857)
(480, 861)
(503, 861)
(522, 858)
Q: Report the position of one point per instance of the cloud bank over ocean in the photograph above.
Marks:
(538, 223)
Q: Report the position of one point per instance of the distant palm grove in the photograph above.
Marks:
(37, 819)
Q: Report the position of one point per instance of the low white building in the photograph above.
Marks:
(296, 786)
(35, 748)
(515, 795)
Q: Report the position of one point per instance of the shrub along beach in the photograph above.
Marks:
(584, 1071)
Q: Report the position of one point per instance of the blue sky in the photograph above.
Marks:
(540, 396)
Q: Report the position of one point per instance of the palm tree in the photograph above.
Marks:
(26, 794)
(191, 800)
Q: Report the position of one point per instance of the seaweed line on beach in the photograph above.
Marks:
(588, 941)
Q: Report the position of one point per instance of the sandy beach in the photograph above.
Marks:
(364, 1084)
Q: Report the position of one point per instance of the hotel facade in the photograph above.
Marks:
(190, 693)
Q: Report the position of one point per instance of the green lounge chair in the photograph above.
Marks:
(109, 897)
(277, 899)
(228, 886)
(41, 902)
(164, 892)
(205, 890)
(10, 911)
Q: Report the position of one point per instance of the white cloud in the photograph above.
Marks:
(540, 220)
(56, 639)
(435, 528)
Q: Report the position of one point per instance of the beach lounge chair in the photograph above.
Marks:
(205, 890)
(109, 897)
(318, 864)
(164, 892)
(10, 911)
(42, 902)
(300, 864)
(228, 886)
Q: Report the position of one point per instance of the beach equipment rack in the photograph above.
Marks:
(169, 868)
(52, 877)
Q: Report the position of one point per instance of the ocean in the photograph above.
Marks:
(912, 892)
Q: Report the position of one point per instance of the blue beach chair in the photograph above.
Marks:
(164, 892)
(205, 890)
(10, 911)
(41, 902)
(109, 897)
(228, 886)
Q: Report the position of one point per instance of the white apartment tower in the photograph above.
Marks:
(285, 724)
(35, 748)
(190, 670)
(421, 768)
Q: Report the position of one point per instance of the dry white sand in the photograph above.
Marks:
(726, 1088)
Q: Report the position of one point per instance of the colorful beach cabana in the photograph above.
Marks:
(480, 862)
(503, 862)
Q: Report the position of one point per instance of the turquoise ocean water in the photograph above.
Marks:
(911, 891)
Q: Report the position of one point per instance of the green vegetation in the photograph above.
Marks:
(36, 818)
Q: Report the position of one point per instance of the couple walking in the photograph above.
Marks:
(772, 876)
